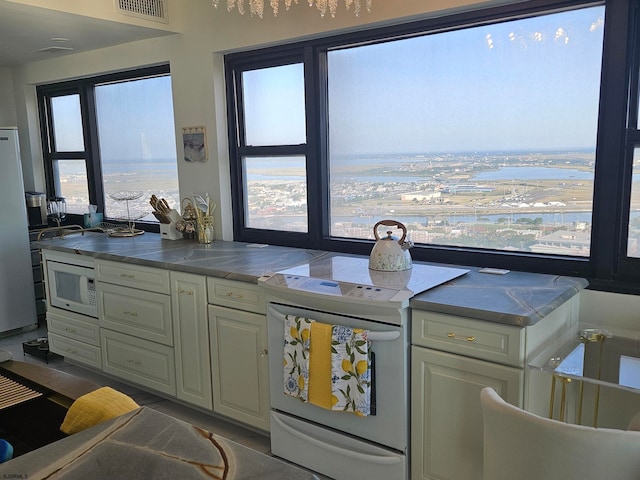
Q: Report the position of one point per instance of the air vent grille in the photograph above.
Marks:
(150, 9)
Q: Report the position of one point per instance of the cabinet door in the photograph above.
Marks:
(146, 363)
(191, 338)
(446, 417)
(135, 312)
(240, 365)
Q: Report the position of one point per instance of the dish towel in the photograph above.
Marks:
(96, 407)
(297, 334)
(350, 370)
(320, 366)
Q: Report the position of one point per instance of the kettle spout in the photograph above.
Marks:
(406, 245)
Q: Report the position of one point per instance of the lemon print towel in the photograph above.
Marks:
(297, 333)
(350, 372)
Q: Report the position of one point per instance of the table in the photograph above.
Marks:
(590, 355)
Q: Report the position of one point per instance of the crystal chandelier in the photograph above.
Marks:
(256, 7)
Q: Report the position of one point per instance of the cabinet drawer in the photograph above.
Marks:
(74, 326)
(136, 276)
(474, 338)
(136, 312)
(233, 294)
(73, 350)
(146, 363)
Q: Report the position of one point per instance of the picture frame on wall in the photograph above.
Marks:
(194, 141)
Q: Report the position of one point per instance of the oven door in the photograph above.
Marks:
(389, 425)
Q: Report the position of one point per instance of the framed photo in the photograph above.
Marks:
(194, 142)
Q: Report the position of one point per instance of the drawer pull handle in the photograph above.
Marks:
(185, 292)
(127, 275)
(453, 336)
(131, 314)
(235, 295)
(134, 362)
(72, 351)
(70, 330)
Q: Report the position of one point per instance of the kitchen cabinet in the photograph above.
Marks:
(136, 324)
(239, 362)
(191, 339)
(71, 334)
(452, 359)
(140, 361)
(74, 336)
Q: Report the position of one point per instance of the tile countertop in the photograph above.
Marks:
(516, 298)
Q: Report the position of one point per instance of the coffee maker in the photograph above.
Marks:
(36, 209)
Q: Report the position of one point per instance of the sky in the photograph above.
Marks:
(519, 85)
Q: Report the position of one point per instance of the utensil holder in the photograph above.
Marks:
(205, 229)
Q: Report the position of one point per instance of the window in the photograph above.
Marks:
(479, 137)
(274, 118)
(483, 132)
(110, 134)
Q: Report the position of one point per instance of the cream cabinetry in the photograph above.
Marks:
(147, 363)
(136, 324)
(191, 339)
(452, 359)
(239, 363)
(136, 312)
(74, 336)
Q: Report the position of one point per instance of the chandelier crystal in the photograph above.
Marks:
(256, 7)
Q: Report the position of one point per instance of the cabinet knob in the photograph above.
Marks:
(462, 338)
(264, 353)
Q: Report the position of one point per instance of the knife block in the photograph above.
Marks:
(168, 231)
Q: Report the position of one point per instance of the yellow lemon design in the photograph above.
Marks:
(346, 365)
(334, 400)
(301, 382)
(293, 332)
(361, 367)
(305, 335)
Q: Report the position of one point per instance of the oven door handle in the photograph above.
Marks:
(383, 336)
(343, 452)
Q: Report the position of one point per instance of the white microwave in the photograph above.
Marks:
(72, 287)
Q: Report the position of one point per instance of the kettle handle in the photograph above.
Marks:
(390, 223)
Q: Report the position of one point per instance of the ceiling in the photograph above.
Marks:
(24, 30)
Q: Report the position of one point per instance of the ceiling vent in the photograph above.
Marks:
(154, 10)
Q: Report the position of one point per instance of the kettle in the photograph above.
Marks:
(390, 254)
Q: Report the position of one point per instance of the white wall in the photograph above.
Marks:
(195, 57)
(614, 311)
(7, 101)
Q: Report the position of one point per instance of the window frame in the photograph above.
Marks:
(607, 267)
(85, 88)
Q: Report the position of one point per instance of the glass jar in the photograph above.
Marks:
(205, 230)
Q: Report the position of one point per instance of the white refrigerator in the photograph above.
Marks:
(17, 296)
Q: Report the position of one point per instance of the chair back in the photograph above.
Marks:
(520, 445)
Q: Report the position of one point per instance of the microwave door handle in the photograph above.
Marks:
(84, 289)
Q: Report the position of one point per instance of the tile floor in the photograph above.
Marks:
(252, 439)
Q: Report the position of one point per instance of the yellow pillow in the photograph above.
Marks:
(96, 407)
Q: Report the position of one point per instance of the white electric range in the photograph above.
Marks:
(341, 290)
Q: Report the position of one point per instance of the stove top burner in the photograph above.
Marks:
(354, 270)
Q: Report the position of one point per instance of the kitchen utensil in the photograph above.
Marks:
(57, 208)
(390, 254)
